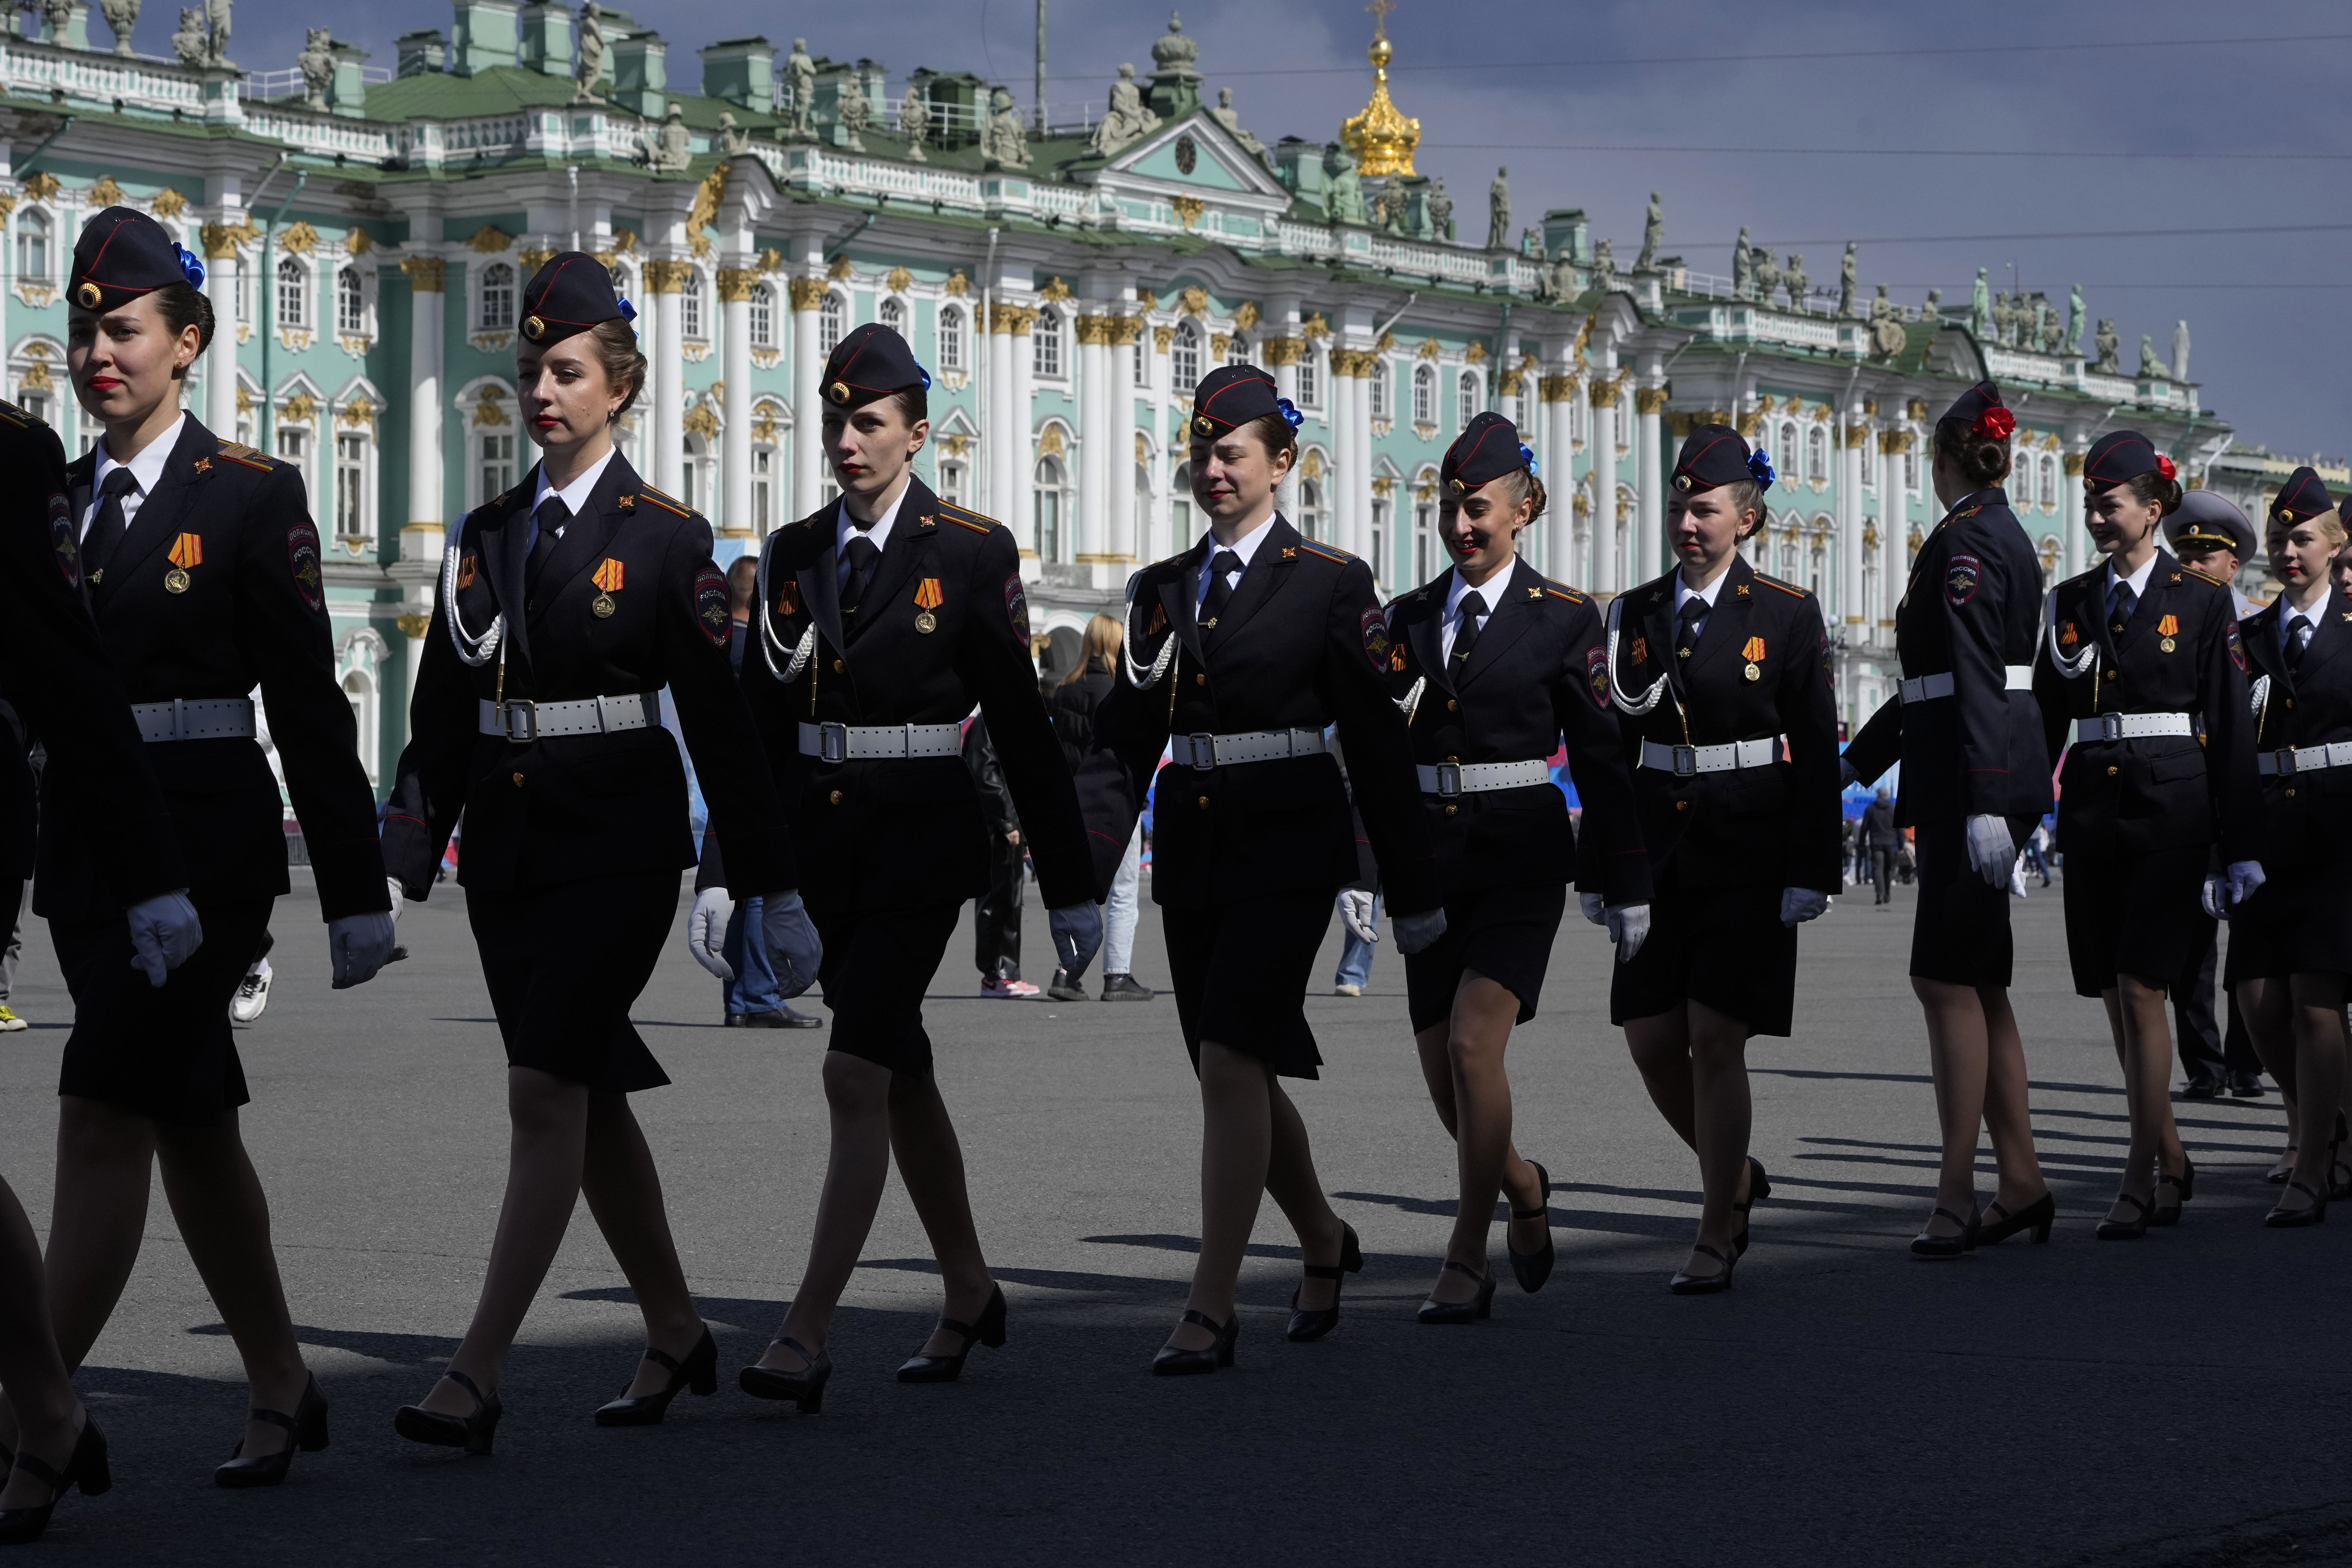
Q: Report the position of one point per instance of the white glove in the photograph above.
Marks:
(1991, 851)
(1416, 933)
(2215, 897)
(1629, 927)
(2246, 879)
(357, 946)
(1595, 908)
(399, 896)
(1355, 908)
(165, 931)
(793, 946)
(1847, 776)
(1798, 905)
(706, 931)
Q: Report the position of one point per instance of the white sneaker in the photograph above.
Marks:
(9, 1022)
(1344, 989)
(990, 985)
(252, 995)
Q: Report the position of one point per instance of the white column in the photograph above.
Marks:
(1156, 536)
(1649, 486)
(1120, 543)
(1364, 364)
(220, 360)
(996, 437)
(1095, 439)
(735, 284)
(1850, 608)
(665, 439)
(1348, 525)
(2070, 502)
(808, 456)
(1022, 515)
(1282, 358)
(1558, 405)
(1601, 448)
(427, 499)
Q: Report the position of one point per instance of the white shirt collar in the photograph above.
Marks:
(879, 534)
(2138, 580)
(575, 496)
(1491, 591)
(146, 469)
(1684, 592)
(1245, 547)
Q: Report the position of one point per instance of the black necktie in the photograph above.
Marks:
(1222, 562)
(106, 530)
(1694, 611)
(1465, 635)
(546, 523)
(2298, 637)
(864, 554)
(2120, 606)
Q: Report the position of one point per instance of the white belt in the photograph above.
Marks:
(1206, 751)
(521, 721)
(2304, 759)
(1476, 778)
(1685, 761)
(2131, 726)
(205, 718)
(831, 743)
(1928, 687)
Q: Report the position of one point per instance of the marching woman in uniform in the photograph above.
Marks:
(2290, 942)
(566, 604)
(1720, 673)
(1976, 780)
(2141, 658)
(1495, 665)
(1244, 650)
(201, 565)
(883, 619)
(55, 674)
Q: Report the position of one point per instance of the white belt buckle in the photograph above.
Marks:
(1203, 745)
(832, 742)
(527, 711)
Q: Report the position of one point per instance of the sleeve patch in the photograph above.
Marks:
(302, 561)
(1961, 577)
(710, 606)
(1373, 627)
(62, 540)
(1596, 676)
(2237, 647)
(1016, 607)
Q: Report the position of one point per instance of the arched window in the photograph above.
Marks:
(689, 306)
(1817, 453)
(1911, 467)
(1424, 399)
(829, 324)
(1468, 390)
(2049, 481)
(763, 316)
(1310, 378)
(764, 489)
(1785, 460)
(951, 476)
(1379, 539)
(1045, 344)
(351, 516)
(33, 247)
(1184, 359)
(360, 692)
(1179, 506)
(1139, 359)
(351, 305)
(620, 279)
(294, 294)
(497, 296)
(1237, 351)
(1310, 509)
(1051, 479)
(1424, 537)
(1380, 372)
(951, 339)
(893, 315)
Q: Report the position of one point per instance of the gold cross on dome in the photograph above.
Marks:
(1380, 10)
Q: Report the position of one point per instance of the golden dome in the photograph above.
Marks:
(1382, 139)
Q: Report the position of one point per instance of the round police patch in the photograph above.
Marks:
(302, 560)
(2237, 647)
(1373, 625)
(62, 541)
(1016, 607)
(710, 606)
(1960, 578)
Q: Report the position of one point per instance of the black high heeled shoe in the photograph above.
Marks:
(2313, 1212)
(1532, 1268)
(1684, 1284)
(2170, 1213)
(86, 1468)
(2037, 1216)
(305, 1429)
(1942, 1247)
(1173, 1363)
(989, 1330)
(473, 1433)
(2127, 1229)
(1759, 1187)
(1476, 1309)
(698, 1371)
(805, 1388)
(1313, 1325)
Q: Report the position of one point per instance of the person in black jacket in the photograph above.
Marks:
(1722, 676)
(1976, 780)
(1496, 666)
(56, 674)
(884, 618)
(1244, 651)
(1073, 701)
(203, 568)
(1882, 840)
(2290, 963)
(566, 604)
(996, 913)
(2143, 661)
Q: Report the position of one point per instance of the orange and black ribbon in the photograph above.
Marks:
(187, 551)
(927, 596)
(1754, 650)
(608, 576)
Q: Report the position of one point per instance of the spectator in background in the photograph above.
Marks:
(19, 815)
(996, 914)
(1072, 703)
(1882, 840)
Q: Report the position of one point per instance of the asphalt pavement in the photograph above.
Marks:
(2180, 1400)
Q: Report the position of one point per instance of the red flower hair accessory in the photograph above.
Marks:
(2163, 465)
(1996, 424)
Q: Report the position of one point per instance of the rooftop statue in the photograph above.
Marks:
(1440, 209)
(671, 148)
(1794, 279)
(1174, 54)
(121, 16)
(317, 64)
(1743, 268)
(190, 42)
(1654, 234)
(2150, 367)
(1127, 122)
(1846, 284)
(914, 121)
(1604, 266)
(2109, 347)
(2180, 351)
(731, 137)
(800, 77)
(1223, 115)
(851, 112)
(1980, 309)
(1498, 210)
(590, 64)
(1004, 142)
(1764, 274)
(216, 18)
(2073, 341)
(1344, 188)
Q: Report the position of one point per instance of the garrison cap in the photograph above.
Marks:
(1231, 395)
(1715, 455)
(571, 293)
(1981, 409)
(1487, 449)
(2302, 496)
(2208, 520)
(2121, 456)
(123, 253)
(869, 364)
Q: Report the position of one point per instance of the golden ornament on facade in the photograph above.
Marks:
(1188, 209)
(899, 281)
(425, 274)
(807, 294)
(1246, 315)
(42, 187)
(299, 239)
(1055, 289)
(490, 240)
(736, 283)
(170, 203)
(956, 285)
(358, 242)
(533, 261)
(1194, 301)
(1381, 138)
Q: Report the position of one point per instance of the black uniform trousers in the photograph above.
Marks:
(1881, 873)
(996, 913)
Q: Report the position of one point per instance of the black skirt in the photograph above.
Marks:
(565, 963)
(877, 964)
(1504, 933)
(1961, 934)
(2298, 922)
(2133, 914)
(1722, 947)
(166, 1052)
(1241, 972)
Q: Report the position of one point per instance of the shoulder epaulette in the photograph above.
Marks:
(18, 418)
(963, 516)
(1789, 588)
(237, 452)
(2206, 577)
(1563, 591)
(1328, 552)
(2085, 576)
(667, 503)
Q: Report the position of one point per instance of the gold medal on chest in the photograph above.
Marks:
(927, 622)
(2167, 645)
(603, 605)
(1754, 674)
(176, 581)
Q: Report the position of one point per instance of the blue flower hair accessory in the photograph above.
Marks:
(1526, 456)
(190, 267)
(926, 378)
(1290, 412)
(1762, 466)
(628, 313)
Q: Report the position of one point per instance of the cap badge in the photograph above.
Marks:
(1683, 482)
(1201, 426)
(839, 392)
(533, 327)
(87, 292)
